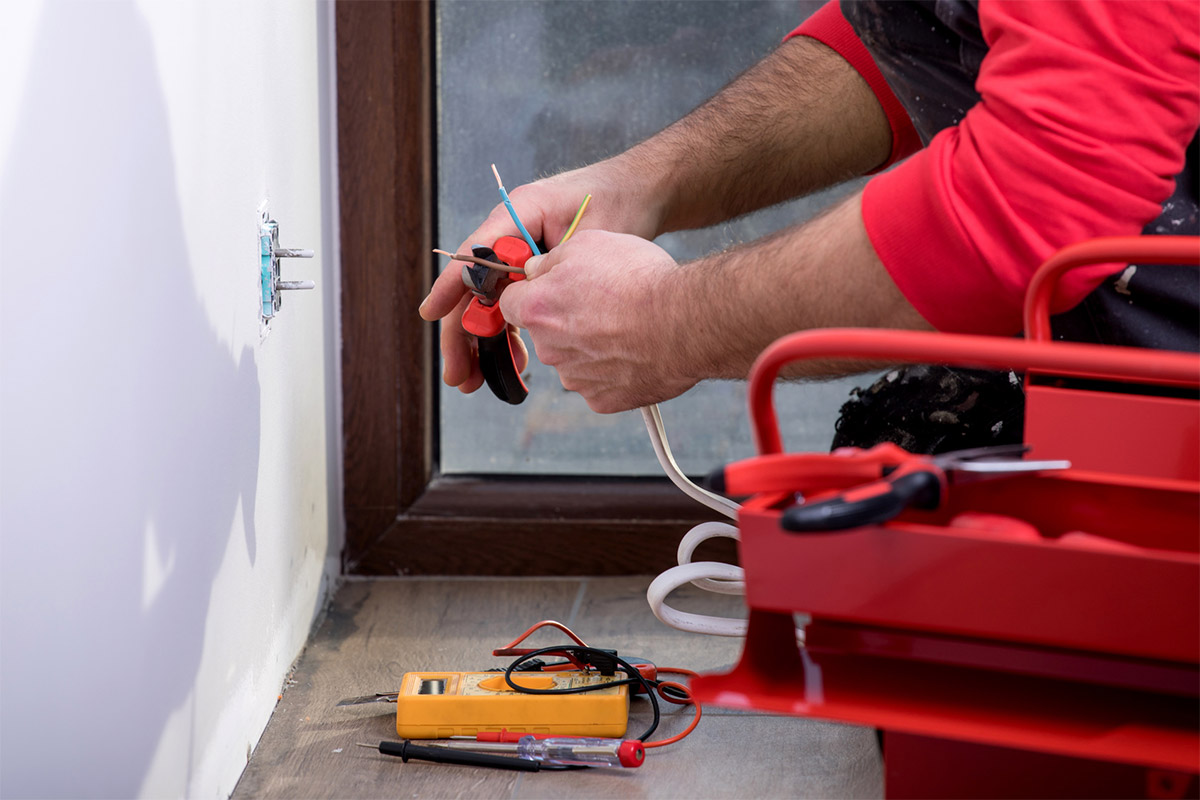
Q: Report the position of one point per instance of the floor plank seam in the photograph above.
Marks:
(578, 604)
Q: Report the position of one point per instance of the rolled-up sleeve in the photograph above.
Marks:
(1087, 110)
(829, 27)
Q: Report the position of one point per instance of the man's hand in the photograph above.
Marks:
(626, 326)
(800, 120)
(593, 308)
(622, 200)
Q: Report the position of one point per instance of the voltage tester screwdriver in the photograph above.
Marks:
(527, 754)
(578, 751)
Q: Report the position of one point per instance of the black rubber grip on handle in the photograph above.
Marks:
(920, 488)
(444, 755)
(499, 368)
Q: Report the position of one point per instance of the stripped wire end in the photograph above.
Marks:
(512, 212)
(483, 262)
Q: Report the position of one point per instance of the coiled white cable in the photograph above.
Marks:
(712, 576)
(702, 533)
(675, 577)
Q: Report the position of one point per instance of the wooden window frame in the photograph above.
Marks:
(402, 516)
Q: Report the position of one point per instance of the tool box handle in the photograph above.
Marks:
(1160, 367)
(1119, 249)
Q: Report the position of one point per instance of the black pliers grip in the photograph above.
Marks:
(913, 481)
(914, 485)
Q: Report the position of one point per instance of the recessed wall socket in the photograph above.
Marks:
(269, 255)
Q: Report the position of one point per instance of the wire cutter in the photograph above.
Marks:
(917, 481)
(483, 318)
(871, 485)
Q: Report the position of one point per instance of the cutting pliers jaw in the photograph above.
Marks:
(482, 317)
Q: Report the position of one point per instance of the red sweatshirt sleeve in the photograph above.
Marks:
(1086, 113)
(829, 27)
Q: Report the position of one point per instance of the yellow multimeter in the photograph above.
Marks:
(438, 705)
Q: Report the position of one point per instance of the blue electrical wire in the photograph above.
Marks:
(512, 212)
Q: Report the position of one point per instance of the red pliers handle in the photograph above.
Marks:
(873, 486)
(807, 472)
(483, 318)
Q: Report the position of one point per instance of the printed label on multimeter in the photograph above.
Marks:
(489, 683)
(437, 705)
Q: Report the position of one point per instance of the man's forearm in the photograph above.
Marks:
(800, 120)
(817, 275)
(625, 325)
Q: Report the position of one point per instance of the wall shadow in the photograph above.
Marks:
(130, 434)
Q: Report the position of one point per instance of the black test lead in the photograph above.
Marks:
(406, 750)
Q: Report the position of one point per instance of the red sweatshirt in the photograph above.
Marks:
(1085, 114)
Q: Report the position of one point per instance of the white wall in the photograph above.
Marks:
(170, 515)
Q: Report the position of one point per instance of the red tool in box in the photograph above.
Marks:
(1037, 634)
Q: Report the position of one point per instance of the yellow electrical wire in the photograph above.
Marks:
(575, 222)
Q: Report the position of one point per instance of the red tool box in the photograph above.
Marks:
(1036, 634)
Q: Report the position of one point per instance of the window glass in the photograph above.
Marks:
(539, 87)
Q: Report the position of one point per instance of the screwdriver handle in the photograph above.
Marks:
(583, 751)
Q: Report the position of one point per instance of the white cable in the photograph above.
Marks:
(711, 576)
(702, 533)
(675, 577)
(722, 505)
(658, 437)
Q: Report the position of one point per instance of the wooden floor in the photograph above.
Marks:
(379, 629)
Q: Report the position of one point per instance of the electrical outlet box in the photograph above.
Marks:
(269, 254)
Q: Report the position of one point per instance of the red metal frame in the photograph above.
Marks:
(1055, 613)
